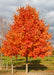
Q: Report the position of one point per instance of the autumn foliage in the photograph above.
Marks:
(28, 35)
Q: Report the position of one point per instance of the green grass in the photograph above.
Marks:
(47, 63)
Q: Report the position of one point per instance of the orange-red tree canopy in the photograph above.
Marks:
(28, 35)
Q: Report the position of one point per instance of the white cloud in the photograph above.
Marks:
(50, 14)
(50, 17)
(51, 28)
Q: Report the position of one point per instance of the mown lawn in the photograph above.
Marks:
(38, 65)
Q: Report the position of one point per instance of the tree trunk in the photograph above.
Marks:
(26, 65)
(12, 67)
(7, 66)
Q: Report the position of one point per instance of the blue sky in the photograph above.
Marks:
(45, 8)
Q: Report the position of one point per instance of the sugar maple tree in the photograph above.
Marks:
(28, 35)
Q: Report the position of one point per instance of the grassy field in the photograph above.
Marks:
(38, 65)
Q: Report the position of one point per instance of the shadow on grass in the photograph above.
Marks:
(2, 59)
(34, 65)
(18, 60)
